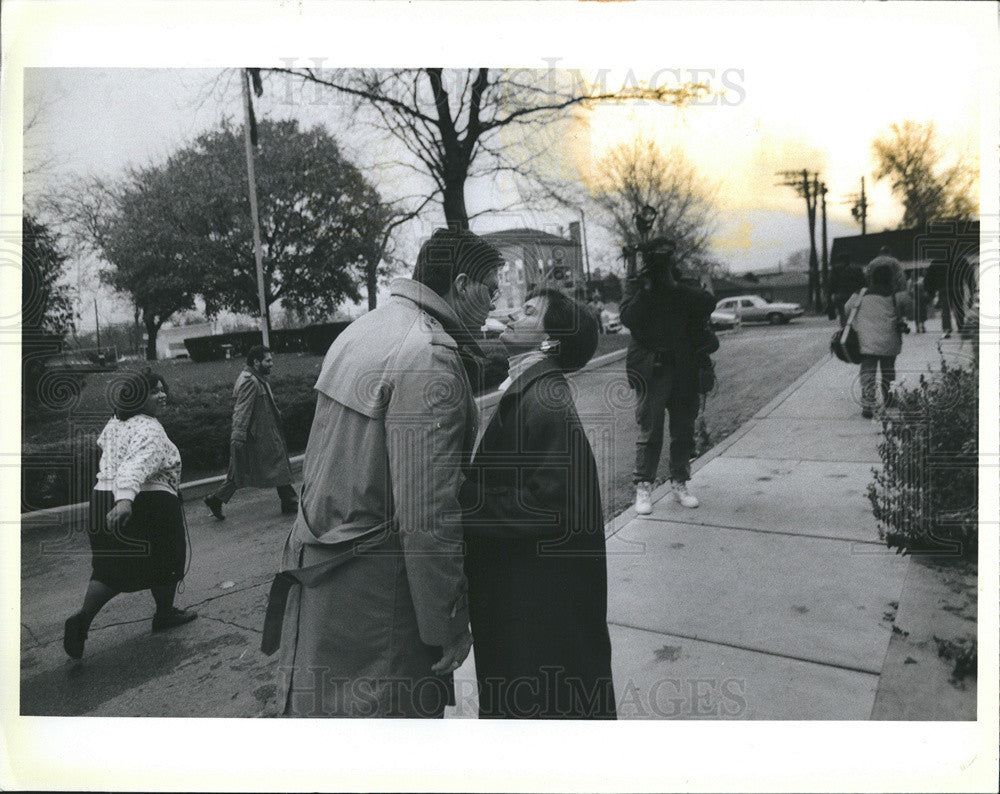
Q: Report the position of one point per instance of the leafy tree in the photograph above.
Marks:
(459, 124)
(634, 174)
(46, 306)
(151, 258)
(322, 224)
(910, 156)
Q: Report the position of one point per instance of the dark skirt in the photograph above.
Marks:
(148, 551)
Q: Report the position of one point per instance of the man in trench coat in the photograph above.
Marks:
(258, 455)
(371, 605)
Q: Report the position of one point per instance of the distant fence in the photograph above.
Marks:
(312, 338)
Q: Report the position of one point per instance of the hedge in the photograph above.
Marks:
(925, 497)
(314, 339)
(198, 422)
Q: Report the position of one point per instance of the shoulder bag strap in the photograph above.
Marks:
(850, 320)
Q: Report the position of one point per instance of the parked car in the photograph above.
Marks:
(753, 308)
(722, 321)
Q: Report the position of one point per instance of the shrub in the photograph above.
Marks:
(197, 420)
(925, 496)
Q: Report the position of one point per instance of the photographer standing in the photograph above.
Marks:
(671, 340)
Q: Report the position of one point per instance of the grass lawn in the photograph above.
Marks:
(186, 380)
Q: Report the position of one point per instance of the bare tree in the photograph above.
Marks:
(460, 124)
(636, 173)
(909, 154)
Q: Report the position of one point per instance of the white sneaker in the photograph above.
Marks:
(681, 494)
(643, 505)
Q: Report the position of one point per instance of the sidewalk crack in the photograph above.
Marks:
(231, 623)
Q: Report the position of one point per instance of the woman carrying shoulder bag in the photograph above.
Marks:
(879, 324)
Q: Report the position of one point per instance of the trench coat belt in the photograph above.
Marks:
(284, 580)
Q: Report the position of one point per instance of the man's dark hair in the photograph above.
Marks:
(450, 252)
(128, 392)
(570, 323)
(256, 354)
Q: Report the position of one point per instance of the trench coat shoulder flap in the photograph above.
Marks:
(361, 375)
(531, 431)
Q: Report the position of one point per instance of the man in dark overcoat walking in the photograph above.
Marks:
(258, 456)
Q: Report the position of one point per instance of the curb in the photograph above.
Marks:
(196, 489)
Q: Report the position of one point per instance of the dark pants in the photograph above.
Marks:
(868, 367)
(665, 392)
(949, 305)
(285, 492)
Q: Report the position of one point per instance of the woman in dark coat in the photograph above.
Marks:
(137, 533)
(534, 530)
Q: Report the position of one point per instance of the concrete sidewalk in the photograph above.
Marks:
(774, 599)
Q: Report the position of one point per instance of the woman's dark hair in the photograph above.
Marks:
(450, 252)
(256, 354)
(128, 391)
(570, 323)
(881, 276)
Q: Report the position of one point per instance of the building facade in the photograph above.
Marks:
(534, 258)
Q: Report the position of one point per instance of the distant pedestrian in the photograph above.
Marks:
(918, 299)
(669, 324)
(846, 278)
(880, 324)
(534, 531)
(258, 456)
(371, 606)
(953, 282)
(137, 531)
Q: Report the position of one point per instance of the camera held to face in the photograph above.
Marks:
(653, 259)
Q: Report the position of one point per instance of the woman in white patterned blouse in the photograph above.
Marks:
(136, 516)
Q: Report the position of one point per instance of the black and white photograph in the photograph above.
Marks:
(636, 363)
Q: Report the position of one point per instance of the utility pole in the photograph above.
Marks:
(249, 124)
(806, 184)
(586, 252)
(825, 261)
(97, 325)
(859, 207)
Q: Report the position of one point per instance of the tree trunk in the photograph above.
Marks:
(152, 329)
(455, 213)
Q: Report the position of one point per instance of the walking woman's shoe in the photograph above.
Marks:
(172, 617)
(680, 492)
(643, 505)
(74, 635)
(214, 504)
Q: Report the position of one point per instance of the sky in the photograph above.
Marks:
(797, 101)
